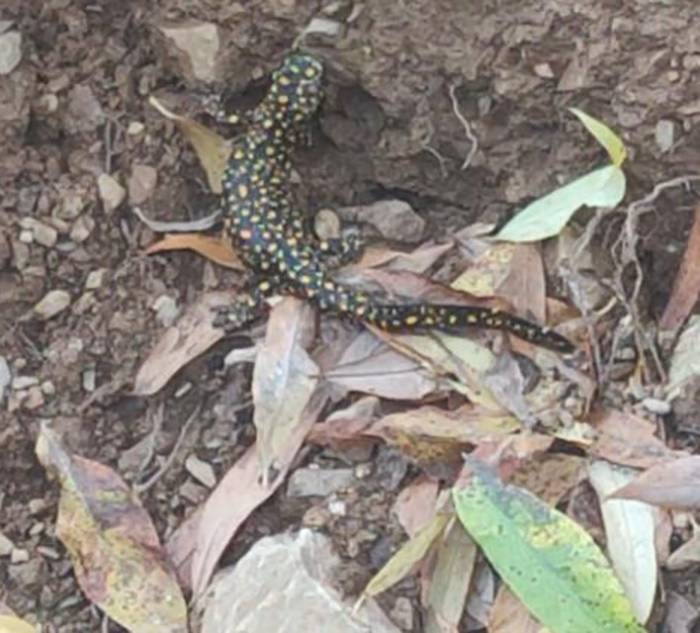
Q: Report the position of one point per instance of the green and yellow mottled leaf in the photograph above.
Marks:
(605, 136)
(545, 558)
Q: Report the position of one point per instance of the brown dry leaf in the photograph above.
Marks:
(446, 355)
(212, 150)
(114, 547)
(686, 287)
(229, 505)
(448, 583)
(509, 615)
(673, 484)
(369, 366)
(343, 428)
(512, 271)
(624, 438)
(550, 476)
(215, 249)
(284, 380)
(436, 439)
(192, 335)
(418, 261)
(415, 505)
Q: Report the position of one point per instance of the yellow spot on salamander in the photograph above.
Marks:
(452, 319)
(310, 72)
(472, 318)
(429, 321)
(245, 234)
(283, 99)
(360, 310)
(305, 279)
(411, 320)
(264, 286)
(239, 154)
(243, 191)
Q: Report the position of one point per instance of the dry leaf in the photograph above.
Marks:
(114, 547)
(686, 287)
(192, 335)
(509, 615)
(672, 484)
(212, 150)
(216, 249)
(624, 438)
(415, 505)
(284, 380)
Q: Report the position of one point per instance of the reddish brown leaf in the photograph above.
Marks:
(686, 287)
(192, 335)
(215, 249)
(415, 506)
(627, 439)
(673, 484)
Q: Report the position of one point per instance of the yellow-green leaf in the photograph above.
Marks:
(412, 552)
(546, 217)
(11, 624)
(605, 136)
(546, 559)
(212, 150)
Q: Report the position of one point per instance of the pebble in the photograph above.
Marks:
(6, 546)
(166, 309)
(111, 192)
(82, 228)
(200, 42)
(657, 406)
(53, 303)
(5, 377)
(314, 482)
(34, 398)
(19, 555)
(142, 183)
(24, 382)
(201, 471)
(41, 233)
(48, 388)
(89, 380)
(402, 613)
(135, 128)
(10, 51)
(26, 236)
(95, 279)
(72, 205)
(664, 134)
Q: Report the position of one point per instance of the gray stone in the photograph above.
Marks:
(111, 192)
(314, 482)
(5, 376)
(53, 303)
(10, 51)
(285, 584)
(197, 46)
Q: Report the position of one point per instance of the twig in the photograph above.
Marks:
(467, 128)
(201, 224)
(144, 487)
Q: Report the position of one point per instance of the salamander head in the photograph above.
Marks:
(295, 93)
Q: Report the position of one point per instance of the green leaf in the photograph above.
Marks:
(401, 564)
(604, 187)
(605, 136)
(546, 559)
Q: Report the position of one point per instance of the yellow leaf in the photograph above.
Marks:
(605, 136)
(11, 624)
(212, 150)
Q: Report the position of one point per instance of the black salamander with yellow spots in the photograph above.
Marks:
(270, 235)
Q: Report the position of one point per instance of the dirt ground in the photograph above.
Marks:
(77, 107)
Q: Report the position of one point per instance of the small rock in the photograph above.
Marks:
(657, 406)
(10, 51)
(95, 279)
(166, 310)
(82, 228)
(201, 471)
(72, 204)
(322, 26)
(26, 236)
(19, 555)
(338, 508)
(142, 183)
(111, 192)
(48, 388)
(394, 219)
(53, 303)
(37, 505)
(85, 113)
(544, 70)
(135, 128)
(194, 493)
(34, 399)
(197, 45)
(6, 545)
(5, 377)
(47, 104)
(89, 380)
(313, 482)
(26, 575)
(664, 134)
(364, 470)
(41, 233)
(24, 382)
(48, 552)
(402, 613)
